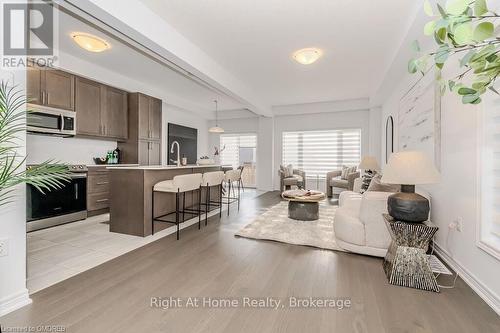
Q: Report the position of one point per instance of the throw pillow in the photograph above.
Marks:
(346, 171)
(376, 185)
(289, 171)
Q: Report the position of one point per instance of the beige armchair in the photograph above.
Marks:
(298, 179)
(333, 180)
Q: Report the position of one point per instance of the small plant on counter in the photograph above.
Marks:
(467, 28)
(44, 177)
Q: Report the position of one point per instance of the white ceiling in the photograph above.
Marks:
(171, 86)
(254, 40)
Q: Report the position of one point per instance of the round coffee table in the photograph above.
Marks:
(303, 205)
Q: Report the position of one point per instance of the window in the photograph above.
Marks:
(489, 167)
(240, 150)
(318, 152)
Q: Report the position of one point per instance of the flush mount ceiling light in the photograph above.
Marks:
(216, 128)
(307, 56)
(90, 42)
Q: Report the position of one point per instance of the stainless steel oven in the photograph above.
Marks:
(49, 121)
(60, 206)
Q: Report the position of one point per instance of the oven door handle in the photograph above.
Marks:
(78, 175)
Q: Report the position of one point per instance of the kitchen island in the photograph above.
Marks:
(131, 193)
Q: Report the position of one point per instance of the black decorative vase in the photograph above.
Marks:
(408, 206)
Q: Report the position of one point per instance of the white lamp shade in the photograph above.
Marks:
(369, 163)
(410, 168)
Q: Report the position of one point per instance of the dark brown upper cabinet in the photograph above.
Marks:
(114, 116)
(88, 107)
(51, 87)
(144, 140)
(101, 110)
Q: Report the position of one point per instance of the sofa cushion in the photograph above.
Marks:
(292, 180)
(348, 228)
(346, 171)
(337, 182)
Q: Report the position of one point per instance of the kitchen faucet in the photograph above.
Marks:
(178, 161)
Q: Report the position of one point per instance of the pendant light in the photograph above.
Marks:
(216, 129)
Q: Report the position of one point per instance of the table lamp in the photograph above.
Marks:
(370, 166)
(409, 168)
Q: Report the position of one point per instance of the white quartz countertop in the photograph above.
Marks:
(160, 167)
(111, 165)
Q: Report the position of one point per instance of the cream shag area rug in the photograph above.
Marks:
(275, 225)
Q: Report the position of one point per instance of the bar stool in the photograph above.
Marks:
(212, 179)
(179, 185)
(231, 177)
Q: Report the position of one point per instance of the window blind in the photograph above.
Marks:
(490, 179)
(232, 143)
(318, 152)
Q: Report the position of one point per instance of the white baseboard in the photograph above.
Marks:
(14, 302)
(487, 295)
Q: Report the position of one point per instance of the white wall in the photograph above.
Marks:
(263, 128)
(13, 291)
(82, 150)
(455, 195)
(320, 121)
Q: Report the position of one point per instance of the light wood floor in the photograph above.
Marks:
(211, 262)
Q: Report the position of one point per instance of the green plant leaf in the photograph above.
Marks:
(483, 31)
(480, 7)
(457, 7)
(491, 58)
(428, 8)
(451, 84)
(429, 28)
(471, 99)
(466, 91)
(415, 46)
(465, 60)
(442, 54)
(440, 36)
(463, 33)
(412, 66)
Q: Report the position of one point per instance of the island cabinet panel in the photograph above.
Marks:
(144, 138)
(131, 195)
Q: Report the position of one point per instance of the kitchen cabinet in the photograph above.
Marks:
(101, 110)
(149, 111)
(97, 190)
(154, 153)
(88, 107)
(114, 115)
(143, 145)
(51, 87)
(155, 118)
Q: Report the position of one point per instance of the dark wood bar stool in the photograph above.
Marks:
(179, 185)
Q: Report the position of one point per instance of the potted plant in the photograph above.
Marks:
(464, 28)
(44, 177)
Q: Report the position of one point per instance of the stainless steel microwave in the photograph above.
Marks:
(50, 121)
